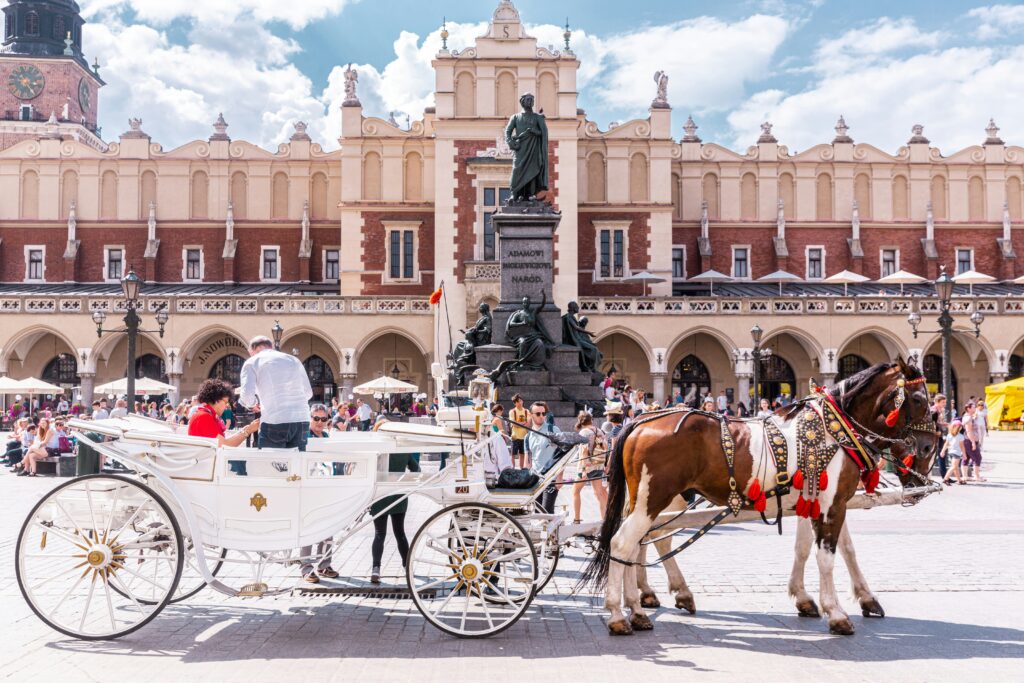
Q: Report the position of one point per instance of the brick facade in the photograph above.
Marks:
(638, 245)
(375, 246)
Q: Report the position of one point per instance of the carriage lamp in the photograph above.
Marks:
(944, 288)
(480, 389)
(130, 287)
(756, 333)
(276, 332)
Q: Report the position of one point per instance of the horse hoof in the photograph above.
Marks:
(808, 609)
(843, 627)
(650, 601)
(641, 622)
(620, 628)
(871, 608)
(686, 602)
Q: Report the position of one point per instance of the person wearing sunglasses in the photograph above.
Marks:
(542, 450)
(319, 421)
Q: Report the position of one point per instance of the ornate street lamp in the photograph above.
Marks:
(944, 292)
(276, 331)
(131, 284)
(757, 355)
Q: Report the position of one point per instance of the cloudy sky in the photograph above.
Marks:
(267, 63)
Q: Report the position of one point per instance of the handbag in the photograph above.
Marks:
(512, 478)
(64, 444)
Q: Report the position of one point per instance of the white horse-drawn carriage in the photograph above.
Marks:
(101, 555)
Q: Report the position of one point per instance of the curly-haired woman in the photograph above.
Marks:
(214, 396)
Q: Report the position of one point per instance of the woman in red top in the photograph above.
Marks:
(214, 396)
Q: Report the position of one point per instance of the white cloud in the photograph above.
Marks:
(160, 12)
(876, 40)
(997, 20)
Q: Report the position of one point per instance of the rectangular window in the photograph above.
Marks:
(193, 264)
(396, 254)
(815, 262)
(741, 262)
(26, 112)
(964, 260)
(678, 263)
(407, 254)
(271, 270)
(115, 263)
(612, 255)
(402, 254)
(34, 264)
(493, 198)
(617, 254)
(332, 264)
(890, 261)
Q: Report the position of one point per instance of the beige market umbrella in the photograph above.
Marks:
(780, 276)
(901, 277)
(386, 385)
(143, 385)
(711, 277)
(1019, 281)
(645, 277)
(971, 278)
(846, 278)
(34, 385)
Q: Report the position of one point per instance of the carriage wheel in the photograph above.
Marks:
(191, 581)
(548, 554)
(472, 570)
(79, 546)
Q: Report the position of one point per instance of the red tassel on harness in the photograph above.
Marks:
(815, 509)
(823, 481)
(761, 503)
(908, 461)
(798, 480)
(892, 417)
(871, 481)
(754, 491)
(801, 506)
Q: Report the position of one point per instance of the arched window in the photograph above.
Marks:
(30, 195)
(200, 195)
(240, 195)
(748, 197)
(68, 192)
(151, 366)
(32, 24)
(371, 176)
(108, 195)
(709, 194)
(1016, 366)
(465, 95)
(229, 369)
(938, 195)
(862, 193)
(506, 102)
(148, 194)
(321, 378)
(976, 199)
(932, 367)
(547, 94)
(677, 196)
(823, 198)
(62, 370)
(777, 378)
(1013, 197)
(279, 203)
(787, 192)
(413, 177)
(596, 182)
(900, 199)
(692, 379)
(58, 28)
(638, 185)
(850, 365)
(318, 193)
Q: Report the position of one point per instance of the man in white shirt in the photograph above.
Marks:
(120, 408)
(99, 410)
(277, 383)
(364, 413)
(722, 402)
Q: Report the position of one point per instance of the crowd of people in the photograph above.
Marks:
(962, 441)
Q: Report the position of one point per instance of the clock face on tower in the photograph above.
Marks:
(26, 82)
(83, 95)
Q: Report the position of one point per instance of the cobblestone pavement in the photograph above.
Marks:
(948, 572)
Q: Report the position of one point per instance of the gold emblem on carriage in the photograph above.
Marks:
(258, 501)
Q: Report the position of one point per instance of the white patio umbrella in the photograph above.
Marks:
(901, 277)
(34, 385)
(711, 277)
(780, 276)
(386, 385)
(971, 278)
(143, 385)
(846, 278)
(645, 277)
(1019, 281)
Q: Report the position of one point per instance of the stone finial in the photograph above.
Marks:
(96, 66)
(134, 129)
(444, 34)
(68, 42)
(351, 79)
(842, 131)
(917, 137)
(992, 133)
(567, 35)
(135, 124)
(391, 119)
(766, 133)
(220, 129)
(300, 131)
(690, 130)
(660, 100)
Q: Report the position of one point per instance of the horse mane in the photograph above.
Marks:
(853, 385)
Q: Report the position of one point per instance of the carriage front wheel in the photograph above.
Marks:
(472, 570)
(99, 556)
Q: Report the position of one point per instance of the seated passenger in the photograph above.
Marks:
(213, 397)
(318, 421)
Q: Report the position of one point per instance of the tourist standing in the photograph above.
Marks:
(318, 429)
(364, 414)
(120, 408)
(938, 411)
(519, 417)
(397, 462)
(591, 466)
(722, 402)
(542, 451)
(972, 450)
(281, 384)
(953, 447)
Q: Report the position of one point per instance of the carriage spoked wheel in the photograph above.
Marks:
(548, 554)
(191, 581)
(77, 558)
(472, 570)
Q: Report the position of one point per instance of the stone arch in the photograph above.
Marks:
(194, 344)
(147, 192)
(639, 185)
(110, 355)
(391, 347)
(68, 191)
(900, 198)
(629, 355)
(330, 353)
(381, 332)
(727, 344)
(976, 348)
(938, 195)
(30, 195)
(823, 197)
(714, 350)
(748, 197)
(811, 346)
(318, 196)
(972, 362)
(200, 195)
(506, 99)
(787, 193)
(108, 195)
(465, 94)
(625, 331)
(892, 345)
(709, 194)
(862, 193)
(203, 350)
(240, 195)
(371, 176)
(976, 199)
(413, 177)
(279, 199)
(547, 93)
(596, 178)
(25, 345)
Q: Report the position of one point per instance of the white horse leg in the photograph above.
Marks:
(638, 618)
(648, 598)
(869, 606)
(676, 582)
(625, 546)
(838, 621)
(805, 605)
(617, 623)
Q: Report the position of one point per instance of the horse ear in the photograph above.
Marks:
(902, 364)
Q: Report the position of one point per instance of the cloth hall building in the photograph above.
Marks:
(344, 247)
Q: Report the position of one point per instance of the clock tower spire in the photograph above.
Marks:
(44, 74)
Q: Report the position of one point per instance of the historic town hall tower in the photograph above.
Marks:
(46, 85)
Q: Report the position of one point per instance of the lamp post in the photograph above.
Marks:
(944, 292)
(276, 331)
(130, 286)
(755, 356)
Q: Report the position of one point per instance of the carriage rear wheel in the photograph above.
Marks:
(472, 570)
(79, 549)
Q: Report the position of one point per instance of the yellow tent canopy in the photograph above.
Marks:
(1005, 401)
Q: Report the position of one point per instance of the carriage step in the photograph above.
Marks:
(376, 592)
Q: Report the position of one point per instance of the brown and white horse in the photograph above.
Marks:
(660, 456)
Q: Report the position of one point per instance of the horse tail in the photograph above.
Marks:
(596, 571)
